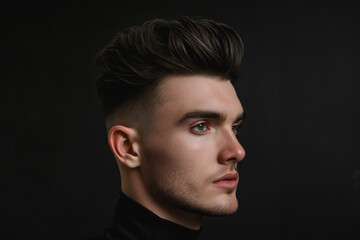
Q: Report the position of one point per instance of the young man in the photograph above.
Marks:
(172, 116)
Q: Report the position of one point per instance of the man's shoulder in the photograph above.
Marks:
(103, 237)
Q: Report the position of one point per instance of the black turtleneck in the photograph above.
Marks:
(132, 221)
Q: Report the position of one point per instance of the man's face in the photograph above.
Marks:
(189, 151)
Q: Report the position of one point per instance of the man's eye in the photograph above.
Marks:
(200, 128)
(237, 128)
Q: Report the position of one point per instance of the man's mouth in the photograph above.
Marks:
(228, 181)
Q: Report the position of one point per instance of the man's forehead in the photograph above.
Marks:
(197, 93)
(181, 86)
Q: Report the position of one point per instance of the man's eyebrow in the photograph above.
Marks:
(241, 117)
(209, 115)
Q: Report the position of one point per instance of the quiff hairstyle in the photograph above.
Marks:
(138, 58)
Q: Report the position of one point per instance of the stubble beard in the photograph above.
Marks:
(182, 199)
(172, 192)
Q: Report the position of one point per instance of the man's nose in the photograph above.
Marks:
(231, 151)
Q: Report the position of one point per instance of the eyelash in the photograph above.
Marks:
(236, 128)
(200, 132)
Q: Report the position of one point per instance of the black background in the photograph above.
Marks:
(299, 85)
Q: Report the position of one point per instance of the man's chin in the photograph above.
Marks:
(224, 211)
(221, 208)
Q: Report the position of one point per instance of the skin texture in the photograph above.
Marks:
(170, 165)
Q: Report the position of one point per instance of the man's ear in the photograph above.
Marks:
(123, 143)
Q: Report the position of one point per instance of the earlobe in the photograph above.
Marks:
(123, 143)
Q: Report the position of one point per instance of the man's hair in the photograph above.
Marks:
(138, 58)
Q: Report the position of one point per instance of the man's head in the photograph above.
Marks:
(172, 115)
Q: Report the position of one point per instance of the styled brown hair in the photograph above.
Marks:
(136, 60)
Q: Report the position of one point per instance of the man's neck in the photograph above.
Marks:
(138, 193)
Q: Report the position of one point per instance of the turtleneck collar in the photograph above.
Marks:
(133, 221)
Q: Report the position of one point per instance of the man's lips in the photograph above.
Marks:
(228, 181)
